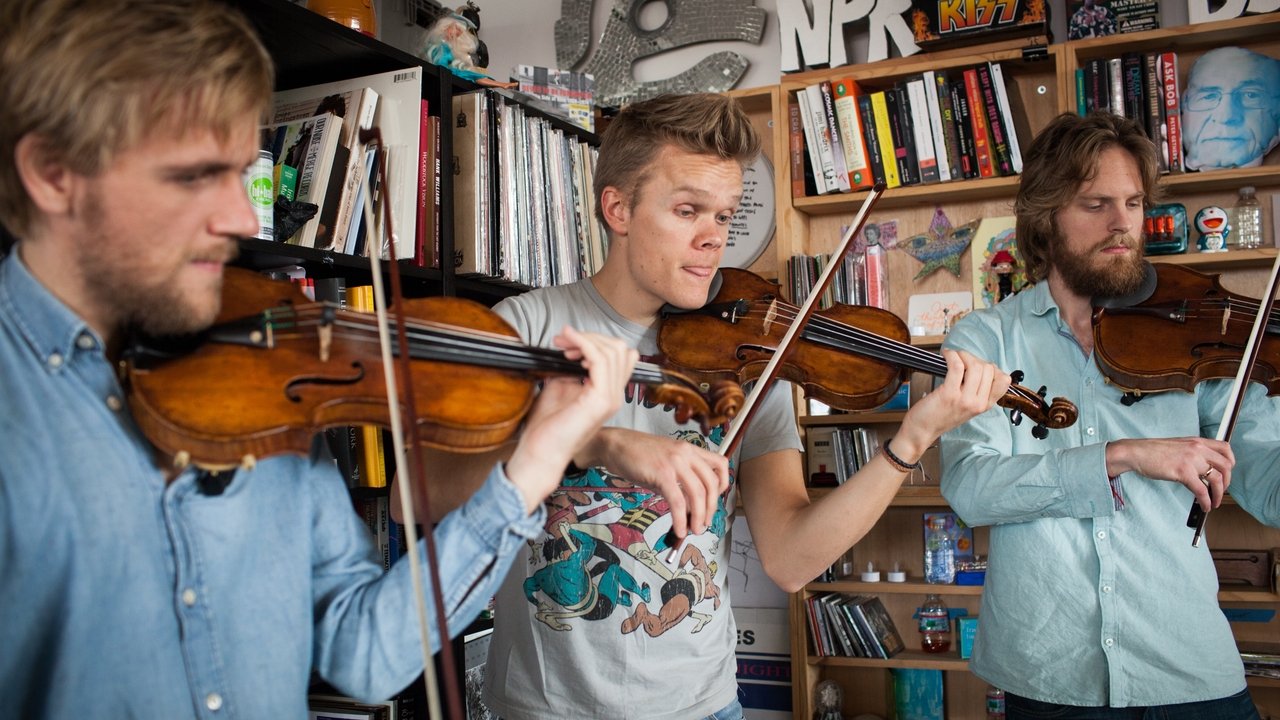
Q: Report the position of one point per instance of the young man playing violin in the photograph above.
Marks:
(601, 623)
(1096, 604)
(127, 588)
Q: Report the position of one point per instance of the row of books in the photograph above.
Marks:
(1142, 87)
(938, 126)
(860, 279)
(321, 157)
(524, 208)
(834, 453)
(1261, 664)
(847, 625)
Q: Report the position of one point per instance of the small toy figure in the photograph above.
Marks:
(453, 42)
(1214, 228)
(1000, 277)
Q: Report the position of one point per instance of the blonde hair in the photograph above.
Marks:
(703, 123)
(92, 79)
(1063, 157)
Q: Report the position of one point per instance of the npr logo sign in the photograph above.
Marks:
(821, 40)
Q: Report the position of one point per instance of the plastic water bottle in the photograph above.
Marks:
(1248, 225)
(935, 625)
(995, 703)
(939, 553)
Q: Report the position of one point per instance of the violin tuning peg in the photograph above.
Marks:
(1016, 376)
(1015, 417)
(1039, 432)
(1042, 391)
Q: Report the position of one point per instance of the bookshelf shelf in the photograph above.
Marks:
(913, 586)
(916, 659)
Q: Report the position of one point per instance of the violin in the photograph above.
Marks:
(1202, 329)
(849, 357)
(275, 368)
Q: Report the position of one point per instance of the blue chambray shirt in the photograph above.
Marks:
(1085, 604)
(123, 597)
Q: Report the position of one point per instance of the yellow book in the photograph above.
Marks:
(373, 468)
(884, 136)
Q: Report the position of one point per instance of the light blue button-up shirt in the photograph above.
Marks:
(121, 596)
(1085, 604)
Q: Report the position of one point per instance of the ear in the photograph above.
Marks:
(47, 180)
(615, 206)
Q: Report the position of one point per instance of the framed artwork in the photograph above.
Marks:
(991, 269)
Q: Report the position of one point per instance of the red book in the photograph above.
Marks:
(978, 118)
(1172, 109)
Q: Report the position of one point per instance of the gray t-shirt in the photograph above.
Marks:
(590, 622)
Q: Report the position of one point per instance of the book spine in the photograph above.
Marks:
(978, 120)
(937, 127)
(796, 148)
(424, 248)
(1172, 109)
(833, 135)
(1152, 96)
(1135, 106)
(826, 162)
(963, 126)
(1115, 86)
(1004, 97)
(904, 144)
(820, 185)
(925, 122)
(885, 137)
(998, 133)
(851, 135)
(1081, 109)
(874, 156)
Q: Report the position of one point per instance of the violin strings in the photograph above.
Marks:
(435, 340)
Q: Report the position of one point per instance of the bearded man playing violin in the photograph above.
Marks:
(128, 589)
(653, 636)
(1096, 604)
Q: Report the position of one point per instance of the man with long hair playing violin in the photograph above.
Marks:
(127, 588)
(1096, 603)
(632, 629)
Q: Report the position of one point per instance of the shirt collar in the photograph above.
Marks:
(53, 332)
(1042, 302)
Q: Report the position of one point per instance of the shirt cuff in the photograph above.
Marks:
(496, 512)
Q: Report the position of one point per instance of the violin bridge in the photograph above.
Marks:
(326, 341)
(1226, 315)
(769, 316)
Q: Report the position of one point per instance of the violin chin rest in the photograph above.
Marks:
(1144, 291)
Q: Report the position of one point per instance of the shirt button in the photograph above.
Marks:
(1106, 588)
(1108, 642)
(188, 597)
(55, 360)
(114, 403)
(1089, 431)
(1102, 534)
(84, 342)
(213, 701)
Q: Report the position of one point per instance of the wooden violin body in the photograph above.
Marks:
(850, 357)
(276, 368)
(1190, 329)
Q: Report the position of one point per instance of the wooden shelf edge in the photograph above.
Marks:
(1232, 259)
(915, 659)
(914, 586)
(870, 417)
(907, 496)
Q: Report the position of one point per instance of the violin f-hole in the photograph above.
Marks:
(290, 387)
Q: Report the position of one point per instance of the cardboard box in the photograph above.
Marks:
(764, 663)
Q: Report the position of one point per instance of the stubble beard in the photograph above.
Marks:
(153, 303)
(1092, 274)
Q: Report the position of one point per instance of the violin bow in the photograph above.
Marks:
(398, 438)
(787, 344)
(1197, 517)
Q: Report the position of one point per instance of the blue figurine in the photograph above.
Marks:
(453, 42)
(1214, 228)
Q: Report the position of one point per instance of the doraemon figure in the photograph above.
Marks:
(1214, 228)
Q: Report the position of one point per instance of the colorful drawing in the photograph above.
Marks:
(995, 235)
(941, 246)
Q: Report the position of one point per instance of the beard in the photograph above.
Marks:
(1092, 274)
(119, 277)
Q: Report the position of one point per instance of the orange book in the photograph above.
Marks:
(978, 118)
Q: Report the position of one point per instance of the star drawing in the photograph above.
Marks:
(941, 246)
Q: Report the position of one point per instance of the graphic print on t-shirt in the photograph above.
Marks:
(602, 557)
